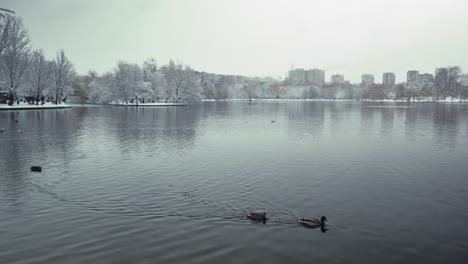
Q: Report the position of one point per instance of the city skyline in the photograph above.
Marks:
(346, 37)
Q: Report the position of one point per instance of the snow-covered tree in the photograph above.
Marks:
(181, 84)
(64, 72)
(15, 56)
(276, 90)
(250, 90)
(153, 78)
(100, 89)
(5, 28)
(149, 66)
(207, 86)
(39, 74)
(128, 79)
(189, 88)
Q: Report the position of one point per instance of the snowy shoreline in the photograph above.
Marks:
(150, 104)
(5, 107)
(426, 100)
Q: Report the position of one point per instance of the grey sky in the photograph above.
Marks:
(254, 37)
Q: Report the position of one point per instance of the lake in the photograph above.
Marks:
(174, 184)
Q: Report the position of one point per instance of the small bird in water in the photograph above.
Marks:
(20, 131)
(2, 130)
(257, 217)
(313, 222)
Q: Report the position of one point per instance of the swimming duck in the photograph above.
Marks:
(257, 216)
(313, 222)
(2, 130)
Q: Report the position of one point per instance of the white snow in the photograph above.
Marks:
(422, 100)
(151, 104)
(25, 106)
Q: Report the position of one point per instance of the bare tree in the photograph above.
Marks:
(15, 56)
(40, 74)
(63, 75)
(5, 28)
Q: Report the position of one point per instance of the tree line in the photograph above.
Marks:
(27, 73)
(24, 71)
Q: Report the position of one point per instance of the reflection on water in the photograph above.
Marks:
(174, 184)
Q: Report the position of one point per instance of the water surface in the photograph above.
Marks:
(173, 184)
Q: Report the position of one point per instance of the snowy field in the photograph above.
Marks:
(23, 106)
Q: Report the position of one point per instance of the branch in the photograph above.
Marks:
(6, 10)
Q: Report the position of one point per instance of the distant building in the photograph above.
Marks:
(337, 79)
(464, 79)
(297, 76)
(426, 79)
(388, 79)
(367, 79)
(315, 76)
(306, 77)
(412, 78)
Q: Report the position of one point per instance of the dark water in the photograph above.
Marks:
(173, 185)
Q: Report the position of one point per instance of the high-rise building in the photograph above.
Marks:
(464, 79)
(315, 76)
(426, 79)
(367, 79)
(297, 76)
(312, 76)
(388, 79)
(337, 79)
(412, 78)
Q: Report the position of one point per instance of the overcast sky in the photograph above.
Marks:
(254, 37)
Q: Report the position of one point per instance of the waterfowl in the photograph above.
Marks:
(2, 130)
(257, 216)
(36, 168)
(313, 222)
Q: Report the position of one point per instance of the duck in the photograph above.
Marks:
(2, 130)
(313, 222)
(257, 216)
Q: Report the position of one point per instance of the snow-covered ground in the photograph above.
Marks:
(24, 106)
(150, 104)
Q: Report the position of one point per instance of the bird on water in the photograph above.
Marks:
(313, 222)
(257, 216)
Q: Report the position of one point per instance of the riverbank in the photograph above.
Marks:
(5, 107)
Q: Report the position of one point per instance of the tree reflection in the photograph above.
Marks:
(150, 128)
